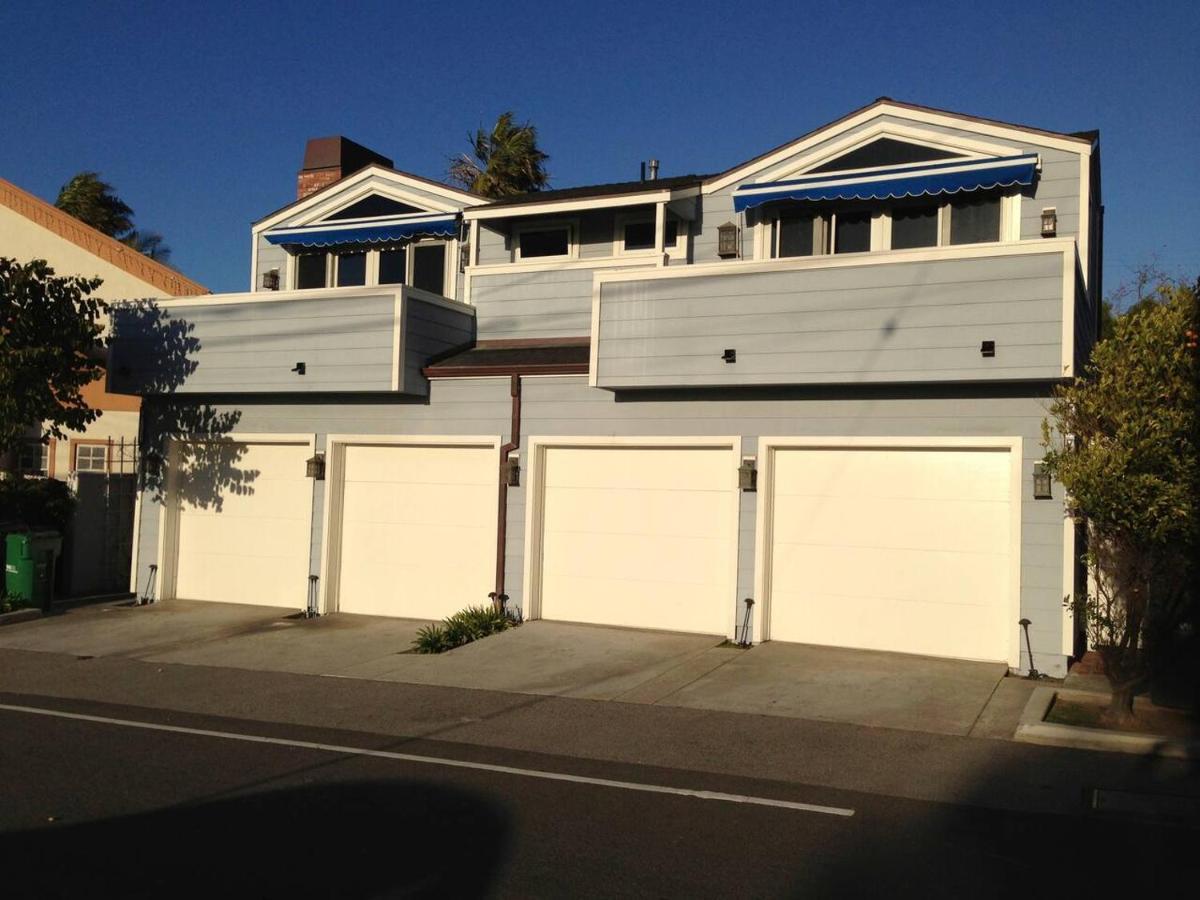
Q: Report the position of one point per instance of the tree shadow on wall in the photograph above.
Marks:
(357, 839)
(185, 446)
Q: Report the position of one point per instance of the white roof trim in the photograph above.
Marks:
(641, 198)
(920, 116)
(329, 200)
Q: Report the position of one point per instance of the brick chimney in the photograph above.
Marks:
(329, 159)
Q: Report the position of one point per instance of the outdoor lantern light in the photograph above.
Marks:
(464, 257)
(314, 468)
(1041, 482)
(1049, 222)
(271, 280)
(747, 474)
(727, 241)
(512, 471)
(987, 348)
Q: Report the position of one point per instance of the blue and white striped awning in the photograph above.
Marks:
(897, 182)
(362, 231)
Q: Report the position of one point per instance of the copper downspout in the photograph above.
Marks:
(499, 598)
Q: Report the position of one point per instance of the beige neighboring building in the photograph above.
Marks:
(31, 228)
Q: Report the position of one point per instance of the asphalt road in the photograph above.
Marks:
(103, 809)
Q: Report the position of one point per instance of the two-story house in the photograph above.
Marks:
(798, 400)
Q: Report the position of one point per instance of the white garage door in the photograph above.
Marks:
(418, 529)
(243, 523)
(641, 537)
(893, 549)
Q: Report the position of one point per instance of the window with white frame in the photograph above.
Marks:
(544, 241)
(635, 234)
(800, 230)
(33, 458)
(91, 457)
(421, 263)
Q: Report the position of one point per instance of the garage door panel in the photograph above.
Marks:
(635, 468)
(418, 529)
(694, 561)
(646, 512)
(906, 626)
(244, 542)
(419, 465)
(629, 603)
(420, 505)
(638, 537)
(886, 473)
(892, 549)
(968, 527)
(952, 578)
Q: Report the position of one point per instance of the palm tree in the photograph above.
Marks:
(502, 163)
(93, 201)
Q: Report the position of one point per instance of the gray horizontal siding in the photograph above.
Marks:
(430, 330)
(345, 342)
(270, 256)
(918, 321)
(533, 304)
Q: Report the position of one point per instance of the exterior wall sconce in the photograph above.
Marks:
(512, 471)
(987, 349)
(464, 257)
(1049, 222)
(727, 241)
(300, 368)
(1041, 482)
(314, 468)
(270, 281)
(748, 474)
(729, 356)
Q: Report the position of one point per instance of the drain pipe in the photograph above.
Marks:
(498, 597)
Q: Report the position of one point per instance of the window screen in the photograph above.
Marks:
(429, 267)
(392, 265)
(795, 235)
(975, 221)
(914, 226)
(852, 233)
(310, 271)
(351, 269)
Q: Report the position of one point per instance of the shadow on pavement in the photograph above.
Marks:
(356, 839)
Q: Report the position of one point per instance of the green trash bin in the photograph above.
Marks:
(29, 564)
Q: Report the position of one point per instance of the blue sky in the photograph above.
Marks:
(198, 113)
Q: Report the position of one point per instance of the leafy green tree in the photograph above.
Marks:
(1124, 441)
(94, 202)
(503, 162)
(51, 341)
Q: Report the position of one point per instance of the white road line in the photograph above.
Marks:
(438, 761)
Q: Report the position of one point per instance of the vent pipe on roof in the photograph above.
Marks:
(653, 170)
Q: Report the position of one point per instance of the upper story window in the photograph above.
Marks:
(311, 270)
(351, 268)
(544, 241)
(421, 264)
(803, 230)
(635, 234)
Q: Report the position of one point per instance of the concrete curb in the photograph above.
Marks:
(19, 615)
(1033, 729)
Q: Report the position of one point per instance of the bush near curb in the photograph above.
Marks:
(465, 626)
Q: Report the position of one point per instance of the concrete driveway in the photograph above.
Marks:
(555, 658)
(863, 687)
